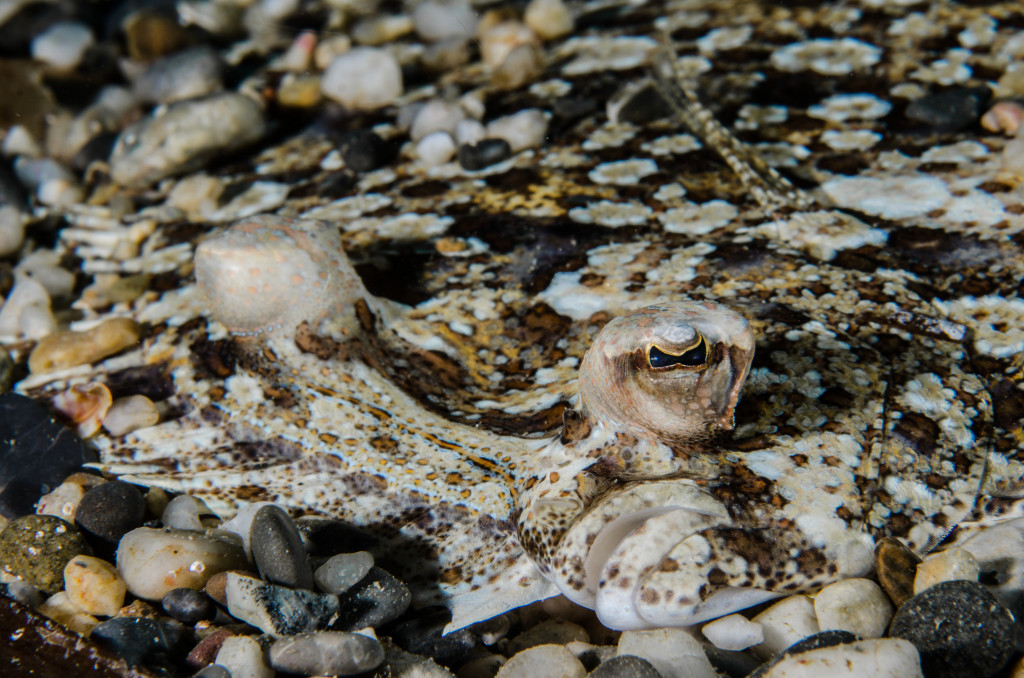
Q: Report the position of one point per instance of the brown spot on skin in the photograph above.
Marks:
(668, 565)
(1008, 405)
(811, 560)
(574, 427)
(213, 358)
(322, 347)
(717, 577)
(650, 596)
(919, 431)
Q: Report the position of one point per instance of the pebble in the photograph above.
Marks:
(859, 606)
(243, 657)
(522, 130)
(879, 658)
(37, 548)
(1004, 117)
(277, 549)
(59, 608)
(363, 151)
(188, 605)
(424, 634)
(329, 536)
(151, 34)
(205, 651)
(24, 592)
(44, 266)
(62, 45)
(639, 103)
(364, 78)
(625, 666)
(734, 632)
(784, 623)
(182, 513)
(94, 586)
(950, 110)
(999, 549)
(436, 116)
(437, 20)
(378, 598)
(185, 136)
(483, 154)
(895, 565)
(959, 628)
(84, 405)
(136, 638)
(497, 43)
(523, 65)
(380, 30)
(469, 132)
(130, 414)
(154, 562)
(12, 230)
(435, 149)
(550, 632)
(326, 653)
(342, 571)
(190, 73)
(62, 350)
(543, 661)
(549, 19)
(949, 565)
(36, 453)
(110, 510)
(444, 56)
(672, 651)
(26, 311)
(278, 610)
(212, 671)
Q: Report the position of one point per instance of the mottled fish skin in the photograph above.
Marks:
(885, 393)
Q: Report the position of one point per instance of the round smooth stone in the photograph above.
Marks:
(63, 44)
(550, 632)
(243, 656)
(673, 652)
(483, 154)
(326, 653)
(277, 549)
(94, 586)
(364, 78)
(38, 548)
(135, 638)
(110, 510)
(363, 150)
(342, 571)
(522, 130)
(212, 671)
(625, 666)
(543, 660)
(951, 109)
(786, 622)
(959, 628)
(896, 566)
(182, 513)
(58, 608)
(188, 605)
(878, 658)
(437, 20)
(948, 565)
(859, 606)
(190, 73)
(435, 149)
(379, 598)
(154, 562)
(734, 632)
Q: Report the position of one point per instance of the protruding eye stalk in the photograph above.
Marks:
(697, 356)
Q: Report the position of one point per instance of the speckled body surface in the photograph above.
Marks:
(884, 397)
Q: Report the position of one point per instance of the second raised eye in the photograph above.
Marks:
(694, 357)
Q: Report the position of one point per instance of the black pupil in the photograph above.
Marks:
(696, 356)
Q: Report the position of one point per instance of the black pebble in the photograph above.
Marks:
(640, 104)
(212, 671)
(36, 454)
(362, 151)
(110, 510)
(376, 599)
(625, 666)
(188, 605)
(959, 628)
(277, 549)
(137, 639)
(424, 635)
(951, 110)
(484, 153)
(328, 537)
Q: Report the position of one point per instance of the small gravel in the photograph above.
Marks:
(188, 605)
(111, 510)
(326, 653)
(38, 548)
(483, 154)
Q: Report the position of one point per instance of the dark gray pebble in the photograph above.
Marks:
(279, 610)
(484, 153)
(37, 548)
(363, 150)
(36, 454)
(111, 510)
(212, 671)
(379, 598)
(951, 110)
(277, 549)
(625, 666)
(959, 628)
(328, 536)
(137, 638)
(342, 571)
(424, 635)
(23, 592)
(639, 103)
(188, 605)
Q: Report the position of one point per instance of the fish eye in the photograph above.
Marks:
(692, 357)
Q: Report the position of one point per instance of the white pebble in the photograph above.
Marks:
(44, 267)
(364, 78)
(130, 414)
(522, 130)
(949, 565)
(541, 661)
(60, 609)
(435, 149)
(182, 513)
(436, 116)
(469, 132)
(437, 20)
(880, 658)
(241, 523)
(59, 191)
(329, 49)
(62, 45)
(12, 230)
(673, 652)
(62, 502)
(787, 621)
(549, 19)
(154, 562)
(242, 656)
(19, 141)
(734, 632)
(498, 42)
(94, 586)
(859, 606)
(26, 312)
